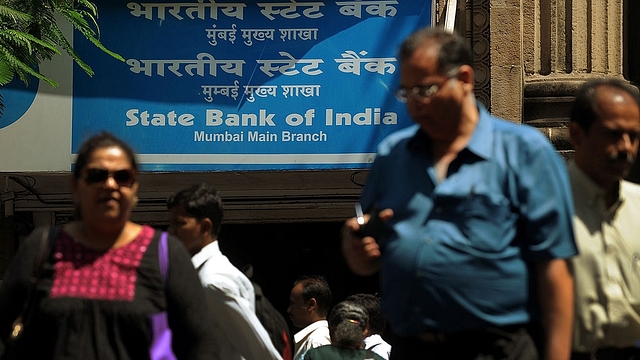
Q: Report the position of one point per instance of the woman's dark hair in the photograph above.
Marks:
(100, 141)
(453, 53)
(347, 322)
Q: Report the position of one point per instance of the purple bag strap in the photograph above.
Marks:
(161, 348)
(163, 256)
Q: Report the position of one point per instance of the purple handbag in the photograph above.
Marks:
(161, 345)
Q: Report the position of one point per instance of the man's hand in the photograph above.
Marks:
(362, 253)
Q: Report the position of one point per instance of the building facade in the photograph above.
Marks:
(530, 58)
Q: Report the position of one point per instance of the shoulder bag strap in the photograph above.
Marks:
(162, 335)
(163, 256)
(49, 236)
(369, 355)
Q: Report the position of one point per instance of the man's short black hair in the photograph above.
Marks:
(371, 303)
(200, 201)
(315, 286)
(454, 50)
(584, 111)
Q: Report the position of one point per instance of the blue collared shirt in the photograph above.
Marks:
(456, 254)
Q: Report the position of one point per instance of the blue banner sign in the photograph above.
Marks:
(269, 85)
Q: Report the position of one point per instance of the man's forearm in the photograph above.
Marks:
(555, 284)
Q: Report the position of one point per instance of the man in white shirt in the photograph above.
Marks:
(309, 304)
(195, 216)
(604, 129)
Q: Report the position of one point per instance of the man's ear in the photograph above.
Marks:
(312, 304)
(367, 332)
(576, 133)
(466, 75)
(206, 225)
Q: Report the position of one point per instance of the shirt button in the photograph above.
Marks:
(428, 241)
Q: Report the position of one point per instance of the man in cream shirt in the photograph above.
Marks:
(604, 128)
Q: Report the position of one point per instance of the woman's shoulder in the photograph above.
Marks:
(176, 250)
(37, 238)
(33, 251)
(156, 234)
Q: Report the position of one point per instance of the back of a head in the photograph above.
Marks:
(315, 286)
(454, 50)
(200, 201)
(371, 304)
(347, 322)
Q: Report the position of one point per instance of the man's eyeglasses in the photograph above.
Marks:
(124, 177)
(420, 93)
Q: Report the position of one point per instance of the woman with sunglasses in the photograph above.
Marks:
(100, 284)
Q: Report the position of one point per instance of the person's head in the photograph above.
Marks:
(195, 216)
(436, 80)
(604, 125)
(347, 325)
(371, 303)
(310, 300)
(104, 182)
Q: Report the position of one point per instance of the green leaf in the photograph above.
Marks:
(29, 35)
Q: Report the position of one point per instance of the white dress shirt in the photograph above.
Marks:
(314, 335)
(239, 332)
(607, 269)
(377, 344)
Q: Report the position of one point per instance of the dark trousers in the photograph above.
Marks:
(513, 343)
(609, 354)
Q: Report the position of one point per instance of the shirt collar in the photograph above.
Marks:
(203, 255)
(481, 142)
(309, 329)
(584, 185)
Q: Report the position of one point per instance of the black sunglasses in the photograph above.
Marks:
(124, 177)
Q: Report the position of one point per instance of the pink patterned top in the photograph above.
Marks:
(84, 273)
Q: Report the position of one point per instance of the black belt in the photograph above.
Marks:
(609, 353)
(495, 342)
(437, 337)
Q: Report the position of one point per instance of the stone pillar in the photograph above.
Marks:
(506, 59)
(566, 42)
(530, 56)
(577, 39)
